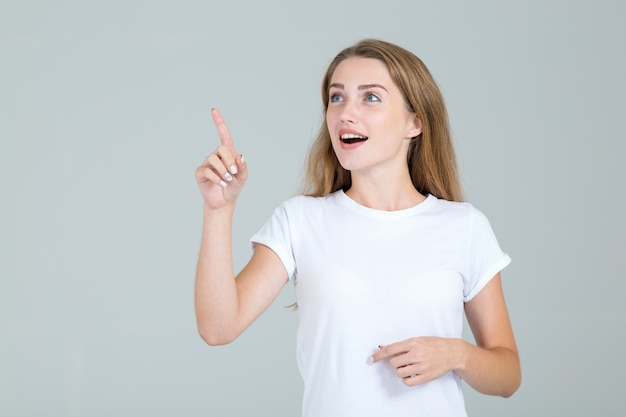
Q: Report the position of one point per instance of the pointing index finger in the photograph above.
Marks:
(387, 351)
(222, 130)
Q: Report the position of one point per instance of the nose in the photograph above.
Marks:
(348, 112)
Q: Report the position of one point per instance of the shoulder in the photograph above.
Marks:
(452, 208)
(463, 212)
(305, 202)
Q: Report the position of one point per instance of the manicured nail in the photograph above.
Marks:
(233, 169)
(370, 360)
(228, 177)
(223, 184)
(242, 160)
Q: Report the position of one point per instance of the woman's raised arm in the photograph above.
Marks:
(225, 305)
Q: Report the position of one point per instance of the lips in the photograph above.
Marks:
(351, 138)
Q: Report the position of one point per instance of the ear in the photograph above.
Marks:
(415, 128)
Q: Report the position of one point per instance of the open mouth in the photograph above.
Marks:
(350, 138)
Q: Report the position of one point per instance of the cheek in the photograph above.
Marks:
(329, 127)
(335, 145)
(331, 118)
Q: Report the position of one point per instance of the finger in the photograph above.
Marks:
(416, 379)
(402, 360)
(242, 168)
(389, 351)
(217, 163)
(206, 174)
(228, 159)
(222, 130)
(407, 371)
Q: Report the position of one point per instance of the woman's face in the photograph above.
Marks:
(369, 122)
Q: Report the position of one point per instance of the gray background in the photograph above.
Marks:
(104, 116)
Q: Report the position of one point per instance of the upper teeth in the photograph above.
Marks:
(351, 136)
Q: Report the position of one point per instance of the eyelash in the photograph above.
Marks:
(335, 96)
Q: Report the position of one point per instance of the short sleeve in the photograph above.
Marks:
(276, 234)
(486, 258)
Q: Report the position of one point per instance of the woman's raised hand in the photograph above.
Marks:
(223, 173)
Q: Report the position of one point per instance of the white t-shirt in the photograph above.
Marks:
(365, 278)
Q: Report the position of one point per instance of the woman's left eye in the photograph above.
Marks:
(371, 97)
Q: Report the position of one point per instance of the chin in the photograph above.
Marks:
(346, 165)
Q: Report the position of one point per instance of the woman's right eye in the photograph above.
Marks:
(334, 98)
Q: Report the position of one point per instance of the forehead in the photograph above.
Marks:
(360, 71)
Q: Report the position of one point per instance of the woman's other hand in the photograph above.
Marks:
(421, 359)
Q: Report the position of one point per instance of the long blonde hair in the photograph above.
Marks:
(431, 158)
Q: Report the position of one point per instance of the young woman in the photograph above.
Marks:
(384, 256)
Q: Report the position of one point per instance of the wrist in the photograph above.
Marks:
(222, 216)
(462, 349)
(226, 209)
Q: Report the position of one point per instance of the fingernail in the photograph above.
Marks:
(223, 184)
(228, 177)
(242, 160)
(370, 360)
(233, 169)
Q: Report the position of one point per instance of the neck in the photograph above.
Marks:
(383, 194)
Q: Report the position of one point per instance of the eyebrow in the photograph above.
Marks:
(361, 87)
